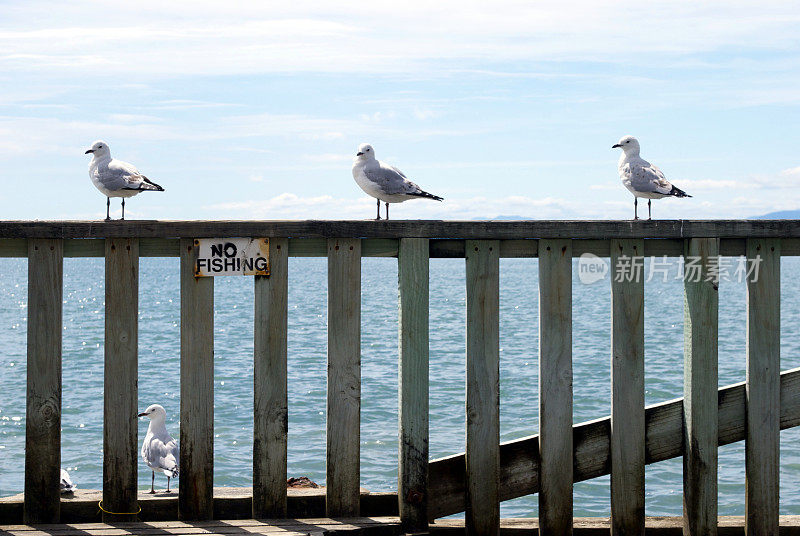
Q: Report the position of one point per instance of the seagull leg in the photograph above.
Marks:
(153, 482)
(649, 215)
(167, 484)
(108, 208)
(123, 208)
(379, 209)
(635, 208)
(387, 211)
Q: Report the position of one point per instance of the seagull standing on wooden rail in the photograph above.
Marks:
(384, 182)
(641, 177)
(115, 178)
(159, 449)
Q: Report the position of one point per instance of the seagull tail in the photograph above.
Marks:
(147, 184)
(174, 472)
(677, 192)
(426, 195)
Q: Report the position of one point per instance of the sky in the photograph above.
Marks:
(254, 110)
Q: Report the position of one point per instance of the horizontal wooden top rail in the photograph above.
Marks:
(388, 247)
(496, 230)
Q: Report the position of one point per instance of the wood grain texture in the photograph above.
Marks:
(700, 340)
(474, 230)
(762, 445)
(555, 387)
(519, 459)
(271, 424)
(627, 389)
(483, 387)
(387, 247)
(344, 377)
(195, 495)
(121, 378)
(412, 481)
(43, 409)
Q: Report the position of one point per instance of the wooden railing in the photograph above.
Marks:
(488, 472)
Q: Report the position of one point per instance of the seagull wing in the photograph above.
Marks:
(645, 177)
(161, 453)
(390, 180)
(124, 176)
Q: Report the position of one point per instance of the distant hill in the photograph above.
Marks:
(779, 215)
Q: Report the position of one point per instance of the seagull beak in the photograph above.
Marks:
(89, 151)
(616, 145)
(359, 154)
(142, 415)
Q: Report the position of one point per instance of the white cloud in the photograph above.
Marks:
(209, 38)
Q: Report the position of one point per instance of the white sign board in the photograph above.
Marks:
(231, 256)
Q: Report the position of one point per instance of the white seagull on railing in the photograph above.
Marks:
(384, 182)
(115, 178)
(159, 449)
(641, 177)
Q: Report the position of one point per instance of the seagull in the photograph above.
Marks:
(115, 178)
(641, 177)
(66, 485)
(384, 182)
(159, 449)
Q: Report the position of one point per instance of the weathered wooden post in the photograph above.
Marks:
(270, 425)
(700, 328)
(412, 481)
(555, 387)
(627, 387)
(483, 387)
(121, 399)
(343, 494)
(762, 388)
(196, 490)
(43, 409)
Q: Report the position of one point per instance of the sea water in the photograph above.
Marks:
(159, 376)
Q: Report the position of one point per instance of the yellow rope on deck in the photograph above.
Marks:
(100, 505)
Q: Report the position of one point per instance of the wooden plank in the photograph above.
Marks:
(344, 377)
(700, 328)
(412, 480)
(271, 415)
(121, 373)
(160, 247)
(483, 387)
(762, 446)
(13, 247)
(195, 495)
(555, 386)
(519, 468)
(627, 388)
(43, 409)
(473, 230)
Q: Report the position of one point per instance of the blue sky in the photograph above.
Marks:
(255, 110)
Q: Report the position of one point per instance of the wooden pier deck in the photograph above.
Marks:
(477, 480)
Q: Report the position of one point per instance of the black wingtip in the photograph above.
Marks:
(677, 192)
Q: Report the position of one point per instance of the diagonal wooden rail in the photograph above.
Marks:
(519, 459)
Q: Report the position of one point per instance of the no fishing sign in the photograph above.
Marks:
(231, 256)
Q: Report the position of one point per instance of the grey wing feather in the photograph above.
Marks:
(646, 177)
(121, 176)
(160, 455)
(391, 180)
